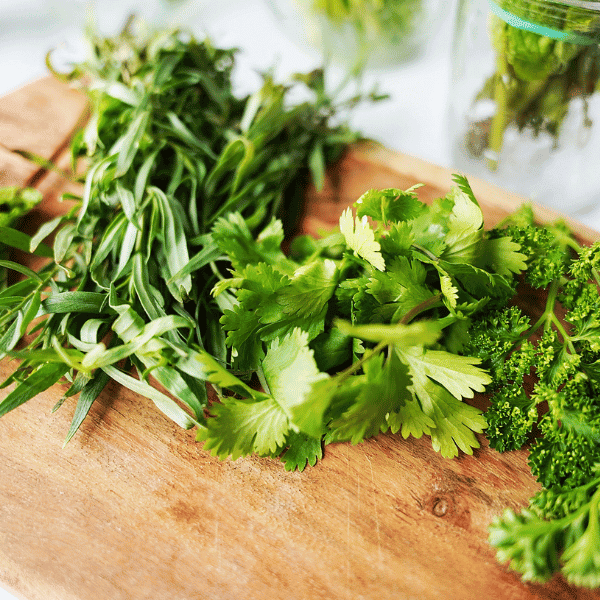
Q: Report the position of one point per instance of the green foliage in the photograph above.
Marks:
(181, 175)
(560, 414)
(170, 276)
(537, 76)
(559, 531)
(382, 314)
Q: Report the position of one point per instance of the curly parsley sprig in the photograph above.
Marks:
(546, 379)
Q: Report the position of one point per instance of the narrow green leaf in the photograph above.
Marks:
(148, 296)
(110, 240)
(174, 244)
(165, 404)
(40, 380)
(21, 241)
(86, 398)
(8, 264)
(76, 302)
(128, 145)
(43, 232)
(12, 335)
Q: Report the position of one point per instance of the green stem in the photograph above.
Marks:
(566, 337)
(500, 119)
(422, 307)
(426, 252)
(546, 316)
(362, 360)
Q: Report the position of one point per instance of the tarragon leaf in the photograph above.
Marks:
(37, 382)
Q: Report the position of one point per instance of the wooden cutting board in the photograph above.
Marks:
(133, 508)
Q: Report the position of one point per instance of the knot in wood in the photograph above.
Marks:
(440, 507)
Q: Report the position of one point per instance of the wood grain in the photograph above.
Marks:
(134, 509)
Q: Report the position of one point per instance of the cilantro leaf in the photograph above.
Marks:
(239, 427)
(234, 238)
(399, 290)
(361, 239)
(397, 240)
(465, 229)
(389, 205)
(290, 371)
(410, 419)
(460, 375)
(455, 422)
(383, 390)
(302, 450)
(503, 256)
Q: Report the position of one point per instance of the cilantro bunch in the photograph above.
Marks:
(535, 76)
(361, 331)
(544, 393)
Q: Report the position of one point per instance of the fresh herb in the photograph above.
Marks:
(15, 203)
(361, 331)
(170, 150)
(545, 383)
(536, 77)
(170, 270)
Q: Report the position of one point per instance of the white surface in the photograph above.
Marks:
(413, 120)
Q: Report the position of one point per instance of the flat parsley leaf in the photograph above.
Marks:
(240, 427)
(361, 239)
(290, 371)
(389, 205)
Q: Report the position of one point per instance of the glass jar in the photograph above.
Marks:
(362, 34)
(525, 98)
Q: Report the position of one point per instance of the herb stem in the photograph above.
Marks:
(342, 375)
(422, 307)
